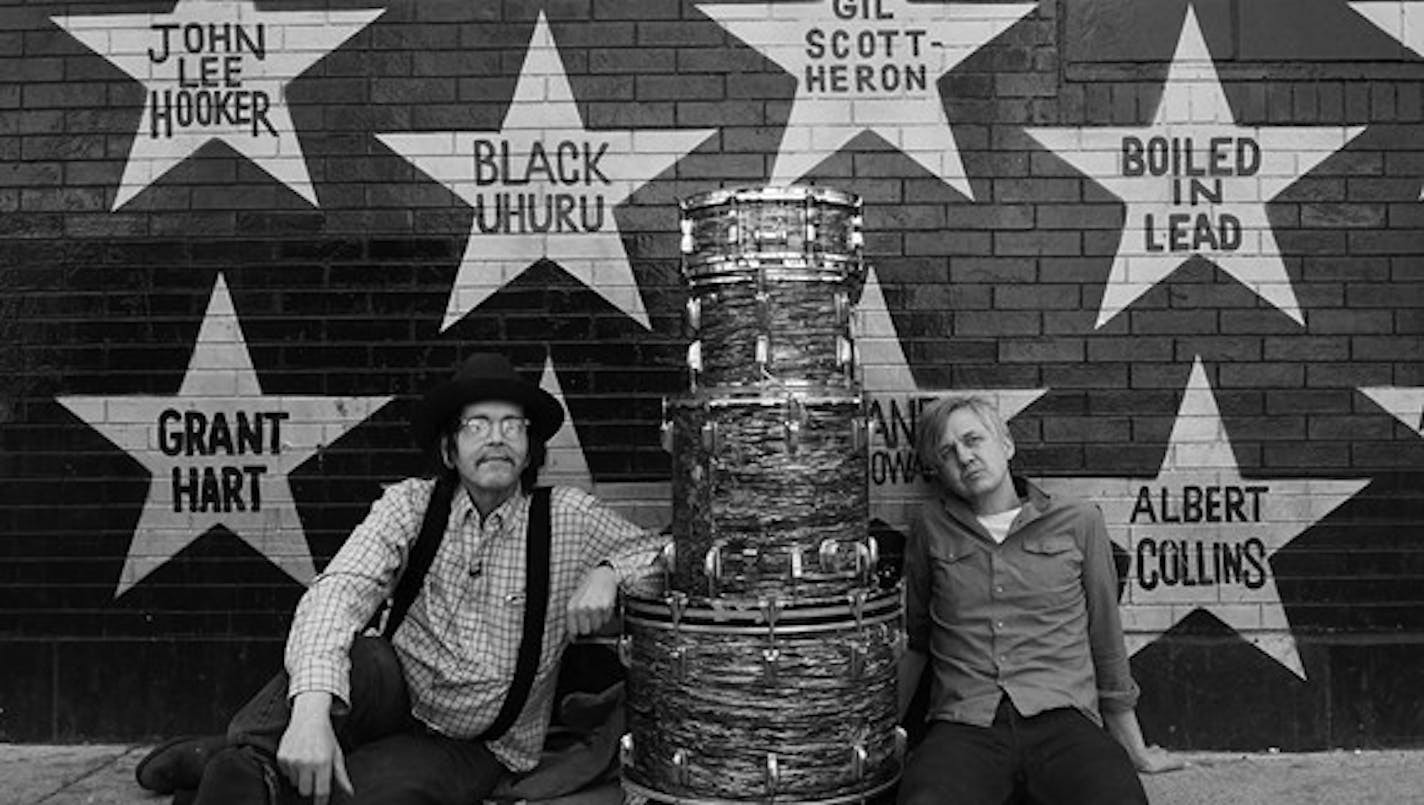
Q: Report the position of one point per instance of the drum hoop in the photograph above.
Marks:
(695, 264)
(675, 799)
(756, 276)
(713, 198)
(802, 392)
(748, 617)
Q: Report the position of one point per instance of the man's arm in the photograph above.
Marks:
(912, 667)
(1122, 725)
(1117, 691)
(339, 602)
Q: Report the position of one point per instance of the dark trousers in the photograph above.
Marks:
(1058, 757)
(391, 757)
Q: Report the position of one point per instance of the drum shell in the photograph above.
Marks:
(714, 690)
(770, 223)
(767, 478)
(772, 325)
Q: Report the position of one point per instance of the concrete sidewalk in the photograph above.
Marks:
(103, 775)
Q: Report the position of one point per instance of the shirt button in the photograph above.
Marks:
(999, 624)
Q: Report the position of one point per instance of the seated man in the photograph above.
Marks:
(1011, 598)
(462, 692)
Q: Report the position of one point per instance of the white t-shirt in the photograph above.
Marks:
(998, 524)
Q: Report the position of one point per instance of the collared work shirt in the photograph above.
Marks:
(460, 639)
(1035, 618)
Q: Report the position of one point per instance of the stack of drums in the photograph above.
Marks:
(766, 672)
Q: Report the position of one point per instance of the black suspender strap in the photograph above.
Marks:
(536, 589)
(536, 606)
(422, 553)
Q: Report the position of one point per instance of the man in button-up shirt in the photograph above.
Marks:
(1011, 598)
(362, 720)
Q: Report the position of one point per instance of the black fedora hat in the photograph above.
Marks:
(485, 376)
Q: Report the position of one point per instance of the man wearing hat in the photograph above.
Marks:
(460, 690)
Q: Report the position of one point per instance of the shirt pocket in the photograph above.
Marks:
(957, 580)
(1053, 563)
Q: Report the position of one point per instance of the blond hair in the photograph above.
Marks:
(929, 429)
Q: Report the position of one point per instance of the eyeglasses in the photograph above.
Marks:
(480, 427)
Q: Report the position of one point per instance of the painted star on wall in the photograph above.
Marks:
(220, 451)
(868, 65)
(565, 462)
(215, 70)
(894, 399)
(1402, 402)
(544, 186)
(1196, 183)
(1402, 20)
(1199, 536)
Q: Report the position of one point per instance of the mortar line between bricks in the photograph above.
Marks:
(89, 773)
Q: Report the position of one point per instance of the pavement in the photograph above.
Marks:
(102, 774)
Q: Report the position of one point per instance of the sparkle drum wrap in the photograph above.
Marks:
(786, 224)
(767, 701)
(766, 671)
(767, 324)
(770, 494)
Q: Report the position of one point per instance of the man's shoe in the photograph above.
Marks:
(177, 762)
(239, 775)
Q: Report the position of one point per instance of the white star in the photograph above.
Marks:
(1404, 403)
(1199, 536)
(1195, 183)
(1401, 20)
(565, 462)
(867, 65)
(544, 186)
(894, 399)
(215, 70)
(220, 451)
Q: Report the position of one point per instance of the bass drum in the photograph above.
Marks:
(771, 702)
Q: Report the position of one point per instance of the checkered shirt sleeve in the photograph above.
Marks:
(460, 639)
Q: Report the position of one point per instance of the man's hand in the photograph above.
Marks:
(309, 754)
(1155, 760)
(592, 603)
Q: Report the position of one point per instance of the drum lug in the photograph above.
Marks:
(797, 561)
(771, 663)
(792, 424)
(665, 436)
(902, 740)
(859, 758)
(625, 750)
(709, 437)
(694, 314)
(857, 236)
(856, 599)
(679, 663)
(668, 557)
(845, 352)
(694, 356)
(679, 765)
(763, 352)
(858, 653)
(842, 308)
(862, 431)
(687, 225)
(898, 644)
(773, 774)
(625, 650)
(867, 555)
(712, 568)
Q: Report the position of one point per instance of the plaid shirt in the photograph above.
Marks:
(460, 639)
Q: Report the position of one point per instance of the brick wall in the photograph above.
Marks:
(336, 227)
